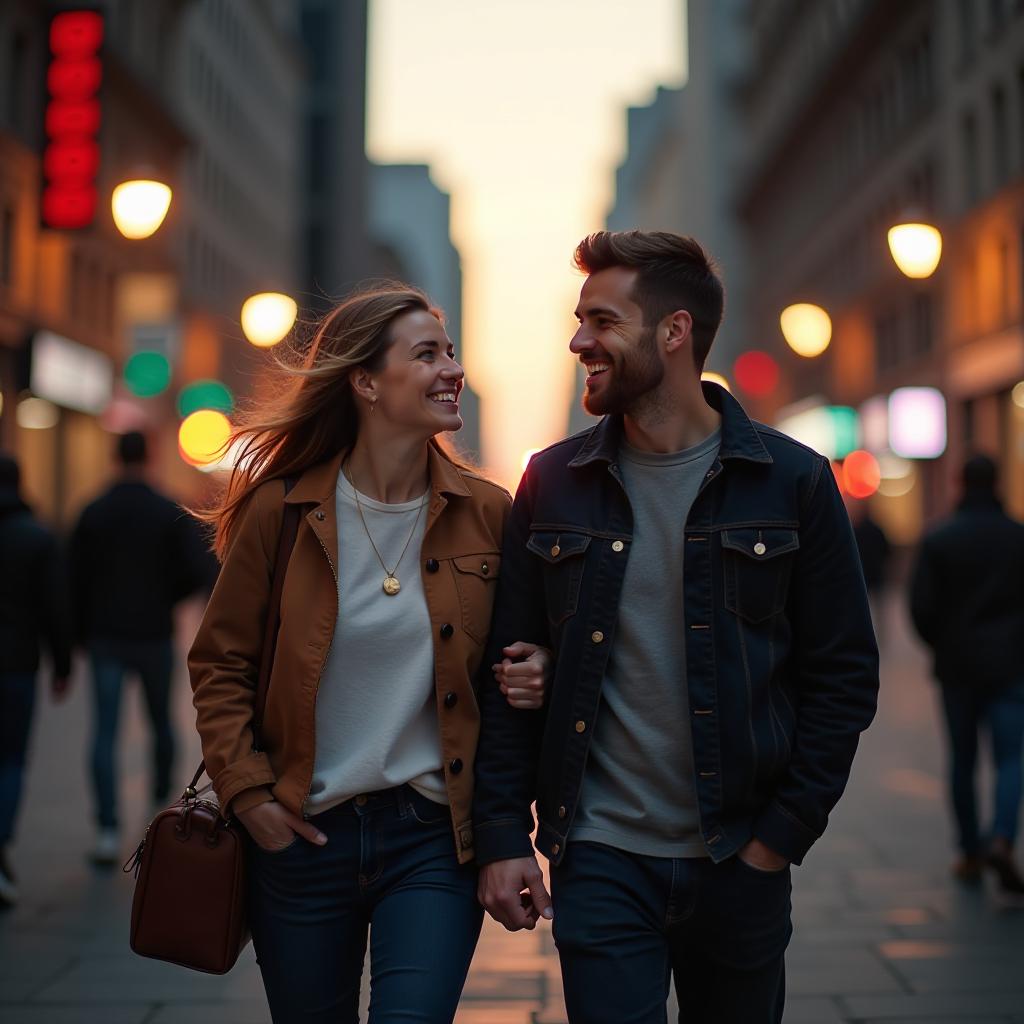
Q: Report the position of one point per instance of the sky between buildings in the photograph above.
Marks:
(519, 108)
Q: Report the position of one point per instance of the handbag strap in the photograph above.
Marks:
(285, 543)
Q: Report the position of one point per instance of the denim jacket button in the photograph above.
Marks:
(759, 548)
(617, 546)
(597, 636)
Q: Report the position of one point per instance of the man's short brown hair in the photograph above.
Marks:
(673, 272)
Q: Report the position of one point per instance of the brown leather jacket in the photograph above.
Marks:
(460, 561)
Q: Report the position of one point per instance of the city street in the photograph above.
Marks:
(882, 933)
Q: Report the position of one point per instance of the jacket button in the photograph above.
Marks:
(555, 850)
(562, 812)
(555, 551)
(617, 545)
(485, 568)
(432, 565)
(321, 516)
(446, 631)
(581, 726)
(759, 548)
(451, 699)
(455, 765)
(597, 636)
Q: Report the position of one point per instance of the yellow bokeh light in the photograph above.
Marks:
(203, 436)
(807, 328)
(716, 378)
(1017, 394)
(916, 248)
(268, 317)
(139, 207)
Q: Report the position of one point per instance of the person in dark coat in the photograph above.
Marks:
(967, 603)
(34, 615)
(134, 554)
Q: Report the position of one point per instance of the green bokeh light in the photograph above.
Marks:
(846, 425)
(205, 394)
(147, 374)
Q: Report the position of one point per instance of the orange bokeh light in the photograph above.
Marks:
(861, 474)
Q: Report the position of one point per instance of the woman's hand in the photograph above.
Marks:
(524, 682)
(273, 827)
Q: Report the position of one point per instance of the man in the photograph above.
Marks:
(967, 603)
(697, 578)
(33, 615)
(134, 555)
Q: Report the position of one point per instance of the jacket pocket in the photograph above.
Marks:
(758, 563)
(564, 558)
(475, 576)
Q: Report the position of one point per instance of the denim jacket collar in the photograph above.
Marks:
(740, 439)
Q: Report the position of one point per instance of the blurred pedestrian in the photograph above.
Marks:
(696, 574)
(358, 801)
(134, 555)
(34, 614)
(967, 603)
(874, 549)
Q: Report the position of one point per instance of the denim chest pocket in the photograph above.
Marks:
(758, 562)
(475, 576)
(563, 554)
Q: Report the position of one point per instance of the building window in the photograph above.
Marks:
(972, 171)
(7, 247)
(1000, 136)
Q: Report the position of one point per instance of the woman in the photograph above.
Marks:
(365, 774)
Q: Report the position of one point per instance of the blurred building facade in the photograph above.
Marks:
(410, 217)
(855, 113)
(222, 100)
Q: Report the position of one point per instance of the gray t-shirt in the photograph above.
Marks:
(376, 716)
(638, 788)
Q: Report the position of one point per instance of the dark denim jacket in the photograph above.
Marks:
(782, 667)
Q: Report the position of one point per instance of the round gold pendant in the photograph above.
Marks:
(391, 586)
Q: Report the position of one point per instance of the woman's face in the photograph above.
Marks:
(418, 388)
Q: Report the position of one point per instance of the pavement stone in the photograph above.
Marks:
(882, 932)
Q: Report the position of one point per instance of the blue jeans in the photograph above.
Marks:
(966, 714)
(624, 922)
(17, 699)
(390, 865)
(152, 661)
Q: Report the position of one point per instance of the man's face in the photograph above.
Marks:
(620, 354)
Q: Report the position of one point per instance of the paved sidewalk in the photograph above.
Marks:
(882, 934)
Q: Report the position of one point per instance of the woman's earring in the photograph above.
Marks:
(373, 404)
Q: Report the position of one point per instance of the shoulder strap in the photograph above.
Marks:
(285, 543)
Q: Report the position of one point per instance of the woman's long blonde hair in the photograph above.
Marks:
(310, 413)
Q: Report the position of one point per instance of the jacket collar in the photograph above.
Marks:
(740, 439)
(316, 485)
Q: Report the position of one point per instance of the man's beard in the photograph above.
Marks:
(633, 380)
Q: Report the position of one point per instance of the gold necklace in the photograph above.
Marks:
(391, 585)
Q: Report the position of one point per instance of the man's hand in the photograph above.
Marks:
(523, 682)
(59, 686)
(513, 893)
(273, 827)
(762, 858)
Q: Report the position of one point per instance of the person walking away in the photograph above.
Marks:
(967, 604)
(135, 554)
(34, 615)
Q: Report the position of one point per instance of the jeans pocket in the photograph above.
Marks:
(761, 872)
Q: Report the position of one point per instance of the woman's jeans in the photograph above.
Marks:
(389, 864)
(17, 699)
(625, 922)
(967, 712)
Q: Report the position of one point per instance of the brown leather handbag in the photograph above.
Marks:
(189, 906)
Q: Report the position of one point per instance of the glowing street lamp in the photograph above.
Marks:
(139, 207)
(807, 328)
(916, 248)
(268, 317)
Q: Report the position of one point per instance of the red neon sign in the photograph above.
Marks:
(72, 157)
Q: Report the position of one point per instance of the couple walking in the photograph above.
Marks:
(663, 643)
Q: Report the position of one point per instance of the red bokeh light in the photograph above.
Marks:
(756, 373)
(76, 33)
(69, 206)
(72, 117)
(71, 161)
(861, 474)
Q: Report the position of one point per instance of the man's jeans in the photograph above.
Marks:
(17, 698)
(152, 661)
(390, 865)
(625, 922)
(966, 713)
